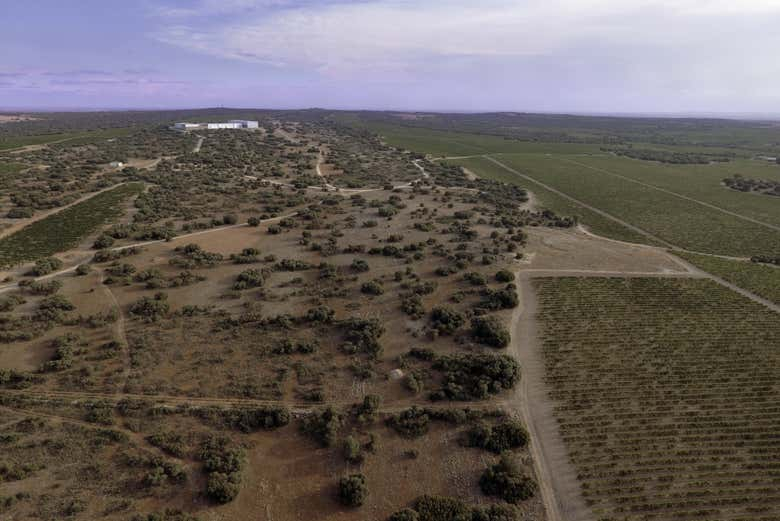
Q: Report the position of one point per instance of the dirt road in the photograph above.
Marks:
(558, 484)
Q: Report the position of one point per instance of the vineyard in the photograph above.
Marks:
(666, 395)
(761, 279)
(64, 230)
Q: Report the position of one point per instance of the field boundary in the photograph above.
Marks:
(584, 205)
(670, 192)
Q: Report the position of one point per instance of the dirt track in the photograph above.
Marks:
(558, 484)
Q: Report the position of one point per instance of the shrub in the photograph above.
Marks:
(353, 490)
(505, 276)
(359, 265)
(222, 488)
(505, 480)
(322, 314)
(490, 331)
(446, 320)
(372, 287)
(475, 376)
(501, 299)
(151, 309)
(45, 266)
(322, 426)
(498, 438)
(251, 278)
(364, 334)
(253, 221)
(412, 423)
(103, 242)
(413, 306)
(407, 514)
(352, 450)
(83, 269)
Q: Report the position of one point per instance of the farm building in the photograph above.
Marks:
(232, 124)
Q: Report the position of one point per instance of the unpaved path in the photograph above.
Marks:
(558, 484)
(675, 194)
(199, 144)
(119, 333)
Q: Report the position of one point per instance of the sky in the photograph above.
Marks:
(584, 56)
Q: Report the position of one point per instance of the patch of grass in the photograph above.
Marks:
(63, 230)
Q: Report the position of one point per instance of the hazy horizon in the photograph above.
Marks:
(601, 57)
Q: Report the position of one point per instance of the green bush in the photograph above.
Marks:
(407, 514)
(372, 288)
(506, 480)
(45, 266)
(222, 488)
(490, 331)
(446, 320)
(412, 423)
(475, 376)
(505, 276)
(353, 490)
(498, 438)
(151, 309)
(322, 426)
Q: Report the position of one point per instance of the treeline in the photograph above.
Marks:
(668, 156)
(745, 184)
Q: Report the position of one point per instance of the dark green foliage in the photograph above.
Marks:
(501, 298)
(498, 438)
(364, 334)
(192, 256)
(45, 266)
(352, 450)
(446, 320)
(505, 276)
(168, 515)
(372, 287)
(322, 426)
(412, 423)
(251, 278)
(506, 480)
(224, 463)
(413, 306)
(83, 269)
(151, 309)
(103, 242)
(475, 376)
(223, 488)
(490, 331)
(353, 490)
(407, 514)
(359, 265)
(322, 314)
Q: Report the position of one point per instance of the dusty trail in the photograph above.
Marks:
(196, 148)
(119, 333)
(675, 194)
(584, 205)
(558, 484)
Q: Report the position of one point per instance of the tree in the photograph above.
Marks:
(490, 331)
(353, 490)
(506, 480)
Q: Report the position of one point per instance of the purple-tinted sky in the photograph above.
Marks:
(542, 55)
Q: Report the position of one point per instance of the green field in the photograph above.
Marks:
(667, 201)
(71, 138)
(761, 279)
(666, 396)
(63, 230)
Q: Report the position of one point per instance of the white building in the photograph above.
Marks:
(186, 126)
(232, 124)
(116, 164)
(245, 123)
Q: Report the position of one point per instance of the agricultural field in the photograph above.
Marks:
(686, 206)
(761, 279)
(65, 229)
(666, 396)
